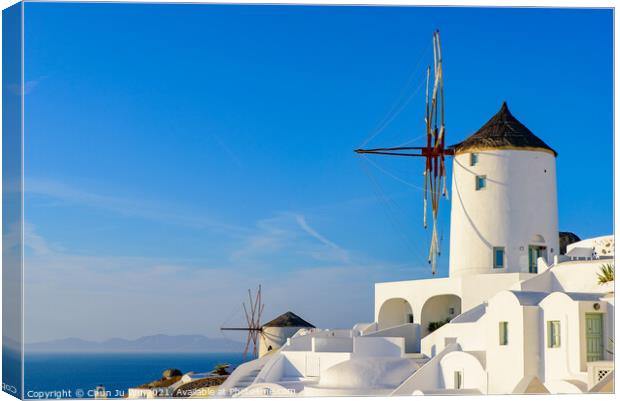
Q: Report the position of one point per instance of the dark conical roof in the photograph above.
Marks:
(503, 131)
(288, 319)
(567, 238)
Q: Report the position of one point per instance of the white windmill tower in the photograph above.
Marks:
(504, 212)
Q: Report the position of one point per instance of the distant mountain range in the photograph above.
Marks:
(156, 343)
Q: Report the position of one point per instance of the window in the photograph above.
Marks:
(481, 182)
(458, 379)
(553, 334)
(473, 159)
(498, 257)
(503, 333)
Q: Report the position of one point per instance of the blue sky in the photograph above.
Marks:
(180, 154)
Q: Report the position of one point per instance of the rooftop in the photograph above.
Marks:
(529, 298)
(503, 131)
(288, 319)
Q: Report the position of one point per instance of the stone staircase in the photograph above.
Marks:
(247, 379)
(418, 358)
(242, 377)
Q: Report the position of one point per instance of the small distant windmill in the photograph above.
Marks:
(253, 314)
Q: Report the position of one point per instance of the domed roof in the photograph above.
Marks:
(368, 373)
(503, 131)
(567, 238)
(288, 319)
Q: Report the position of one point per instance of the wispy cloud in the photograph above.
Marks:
(299, 262)
(35, 242)
(232, 155)
(95, 296)
(288, 233)
(269, 236)
(343, 253)
(283, 234)
(67, 194)
(29, 86)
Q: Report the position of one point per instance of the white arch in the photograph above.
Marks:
(473, 375)
(439, 308)
(394, 312)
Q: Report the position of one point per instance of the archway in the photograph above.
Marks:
(438, 310)
(394, 312)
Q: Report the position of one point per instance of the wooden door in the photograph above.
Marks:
(594, 336)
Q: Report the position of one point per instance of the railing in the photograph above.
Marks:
(597, 370)
(365, 328)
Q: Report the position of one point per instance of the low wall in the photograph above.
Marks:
(299, 343)
(297, 364)
(410, 332)
(364, 328)
(378, 346)
(332, 344)
(468, 335)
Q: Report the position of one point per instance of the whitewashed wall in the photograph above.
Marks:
(505, 363)
(562, 362)
(274, 337)
(518, 203)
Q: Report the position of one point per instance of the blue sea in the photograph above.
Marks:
(54, 375)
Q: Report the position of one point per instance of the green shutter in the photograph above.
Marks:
(503, 333)
(553, 334)
(458, 380)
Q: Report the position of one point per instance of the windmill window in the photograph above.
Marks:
(481, 182)
(473, 159)
(503, 333)
(458, 379)
(498, 257)
(553, 334)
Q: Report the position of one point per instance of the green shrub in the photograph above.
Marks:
(432, 326)
(606, 274)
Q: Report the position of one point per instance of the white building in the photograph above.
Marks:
(514, 315)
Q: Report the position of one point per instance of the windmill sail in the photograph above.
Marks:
(253, 312)
(434, 152)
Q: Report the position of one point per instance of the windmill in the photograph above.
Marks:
(253, 314)
(434, 152)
